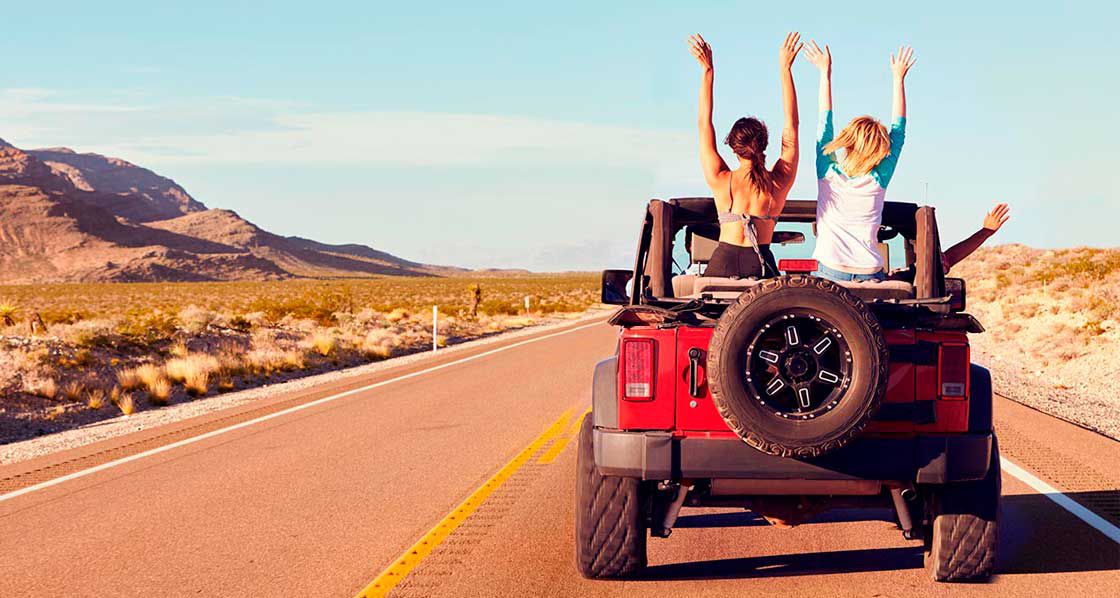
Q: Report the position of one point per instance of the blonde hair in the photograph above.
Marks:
(865, 143)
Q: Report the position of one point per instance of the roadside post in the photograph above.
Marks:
(435, 328)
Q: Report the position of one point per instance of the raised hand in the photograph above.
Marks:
(901, 62)
(790, 47)
(995, 219)
(701, 50)
(820, 59)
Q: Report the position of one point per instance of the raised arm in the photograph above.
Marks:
(992, 222)
(900, 65)
(710, 160)
(786, 166)
(822, 59)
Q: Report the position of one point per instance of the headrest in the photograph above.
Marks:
(701, 249)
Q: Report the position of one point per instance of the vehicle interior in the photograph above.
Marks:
(680, 235)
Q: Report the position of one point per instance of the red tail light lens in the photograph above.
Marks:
(953, 371)
(637, 369)
(797, 265)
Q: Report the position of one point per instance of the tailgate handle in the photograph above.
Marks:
(694, 372)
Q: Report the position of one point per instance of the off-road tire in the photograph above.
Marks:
(763, 429)
(963, 537)
(610, 524)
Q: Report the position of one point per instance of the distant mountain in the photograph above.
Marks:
(70, 217)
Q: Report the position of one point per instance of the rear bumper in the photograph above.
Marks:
(923, 459)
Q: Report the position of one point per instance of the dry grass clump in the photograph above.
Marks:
(178, 349)
(195, 319)
(159, 391)
(129, 379)
(180, 369)
(73, 390)
(126, 404)
(324, 343)
(95, 398)
(197, 383)
(7, 313)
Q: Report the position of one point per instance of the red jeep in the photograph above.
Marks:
(787, 396)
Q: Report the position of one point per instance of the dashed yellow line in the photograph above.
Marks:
(404, 564)
(561, 443)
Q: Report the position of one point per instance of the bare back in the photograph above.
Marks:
(734, 193)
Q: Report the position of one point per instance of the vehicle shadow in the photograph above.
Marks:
(1036, 536)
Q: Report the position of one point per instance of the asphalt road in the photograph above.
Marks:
(320, 500)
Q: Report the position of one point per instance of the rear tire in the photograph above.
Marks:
(964, 535)
(610, 526)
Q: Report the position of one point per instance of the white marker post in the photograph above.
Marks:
(435, 328)
(526, 305)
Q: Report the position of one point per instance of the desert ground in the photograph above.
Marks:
(76, 354)
(1053, 328)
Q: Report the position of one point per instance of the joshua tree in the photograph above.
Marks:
(476, 298)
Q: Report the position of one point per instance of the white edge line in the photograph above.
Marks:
(264, 418)
(1092, 519)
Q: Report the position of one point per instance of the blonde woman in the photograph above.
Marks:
(853, 171)
(750, 198)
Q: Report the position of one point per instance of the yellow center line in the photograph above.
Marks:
(561, 443)
(404, 564)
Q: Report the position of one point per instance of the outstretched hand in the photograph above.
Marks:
(901, 62)
(700, 50)
(790, 47)
(995, 218)
(820, 59)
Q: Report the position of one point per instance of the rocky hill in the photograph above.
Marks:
(70, 217)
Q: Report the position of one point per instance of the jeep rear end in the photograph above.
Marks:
(920, 443)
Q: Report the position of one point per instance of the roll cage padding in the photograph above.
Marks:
(929, 276)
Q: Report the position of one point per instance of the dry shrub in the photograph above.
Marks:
(88, 333)
(225, 383)
(265, 359)
(126, 404)
(129, 379)
(323, 343)
(197, 383)
(178, 349)
(380, 343)
(95, 398)
(195, 319)
(294, 360)
(150, 374)
(181, 369)
(73, 390)
(397, 315)
(159, 391)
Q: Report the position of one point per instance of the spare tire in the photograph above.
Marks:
(797, 366)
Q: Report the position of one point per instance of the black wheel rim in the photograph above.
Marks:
(798, 365)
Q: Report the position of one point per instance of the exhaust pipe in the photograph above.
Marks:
(672, 511)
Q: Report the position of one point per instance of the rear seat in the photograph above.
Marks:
(730, 288)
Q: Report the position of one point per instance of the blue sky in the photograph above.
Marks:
(530, 135)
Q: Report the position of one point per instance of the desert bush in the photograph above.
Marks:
(159, 391)
(180, 369)
(197, 383)
(95, 398)
(129, 379)
(72, 391)
(324, 343)
(126, 403)
(195, 319)
(149, 374)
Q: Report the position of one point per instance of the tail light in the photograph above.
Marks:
(953, 371)
(797, 265)
(637, 369)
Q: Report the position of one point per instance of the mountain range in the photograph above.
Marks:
(73, 217)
